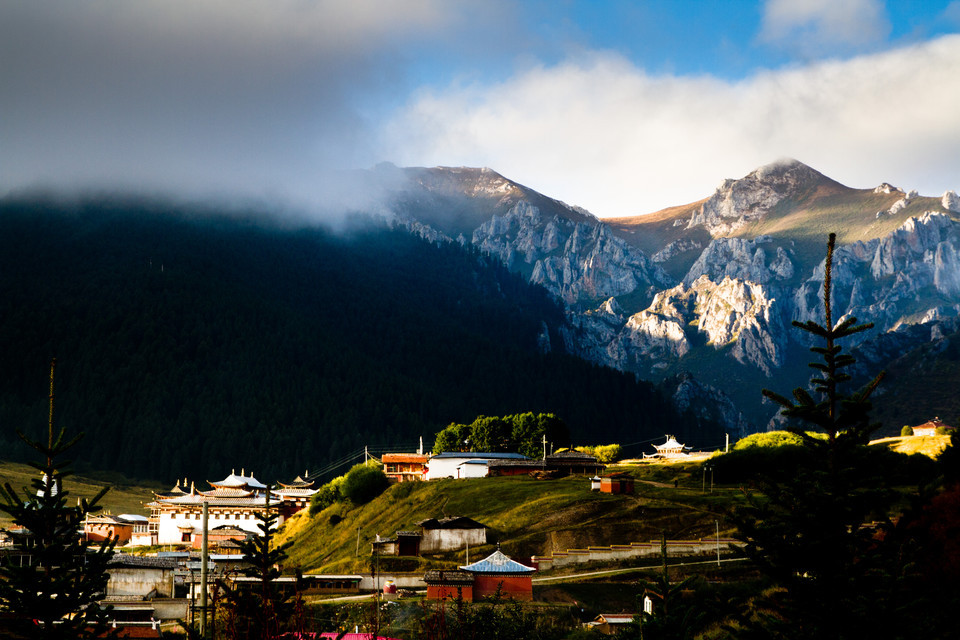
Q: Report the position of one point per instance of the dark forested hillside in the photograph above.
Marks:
(190, 345)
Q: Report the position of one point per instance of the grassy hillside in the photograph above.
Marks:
(125, 496)
(526, 516)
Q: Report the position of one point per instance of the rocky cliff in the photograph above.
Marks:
(760, 267)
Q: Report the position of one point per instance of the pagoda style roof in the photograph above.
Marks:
(498, 563)
(221, 492)
(173, 493)
(298, 483)
(670, 445)
(233, 480)
(295, 492)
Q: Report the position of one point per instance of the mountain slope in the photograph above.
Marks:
(189, 343)
(710, 288)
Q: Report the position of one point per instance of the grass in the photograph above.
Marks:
(124, 496)
(931, 446)
(526, 516)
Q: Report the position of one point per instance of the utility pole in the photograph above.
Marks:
(544, 447)
(203, 571)
(717, 522)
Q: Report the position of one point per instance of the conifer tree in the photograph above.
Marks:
(263, 610)
(55, 594)
(806, 532)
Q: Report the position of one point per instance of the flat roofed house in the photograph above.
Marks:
(123, 527)
(450, 534)
(449, 585)
(458, 464)
(617, 483)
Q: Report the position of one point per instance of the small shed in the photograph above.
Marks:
(498, 572)
(404, 543)
(616, 483)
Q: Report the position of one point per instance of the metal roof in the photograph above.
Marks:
(497, 562)
(468, 455)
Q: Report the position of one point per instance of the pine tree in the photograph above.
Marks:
(807, 532)
(263, 610)
(55, 594)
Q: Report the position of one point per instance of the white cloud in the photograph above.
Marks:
(210, 96)
(820, 28)
(603, 134)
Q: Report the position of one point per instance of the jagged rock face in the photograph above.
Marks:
(733, 312)
(950, 201)
(735, 296)
(887, 188)
(736, 202)
(741, 312)
(888, 279)
(576, 260)
(676, 247)
(707, 402)
(743, 259)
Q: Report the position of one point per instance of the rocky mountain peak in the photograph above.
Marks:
(737, 202)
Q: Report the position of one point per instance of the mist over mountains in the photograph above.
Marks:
(190, 342)
(194, 338)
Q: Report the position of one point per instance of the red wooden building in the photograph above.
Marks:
(498, 571)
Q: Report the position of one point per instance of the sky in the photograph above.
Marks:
(621, 107)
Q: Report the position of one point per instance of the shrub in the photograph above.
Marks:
(771, 439)
(326, 495)
(607, 453)
(942, 431)
(906, 431)
(363, 483)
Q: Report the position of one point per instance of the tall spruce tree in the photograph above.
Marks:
(263, 610)
(54, 594)
(808, 533)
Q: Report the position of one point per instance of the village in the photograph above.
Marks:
(168, 564)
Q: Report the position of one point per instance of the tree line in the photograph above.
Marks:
(191, 342)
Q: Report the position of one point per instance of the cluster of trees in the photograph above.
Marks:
(360, 485)
(522, 433)
(188, 341)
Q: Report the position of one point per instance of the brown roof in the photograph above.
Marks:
(415, 458)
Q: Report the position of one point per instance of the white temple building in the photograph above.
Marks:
(176, 517)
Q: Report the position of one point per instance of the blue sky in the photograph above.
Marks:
(620, 107)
